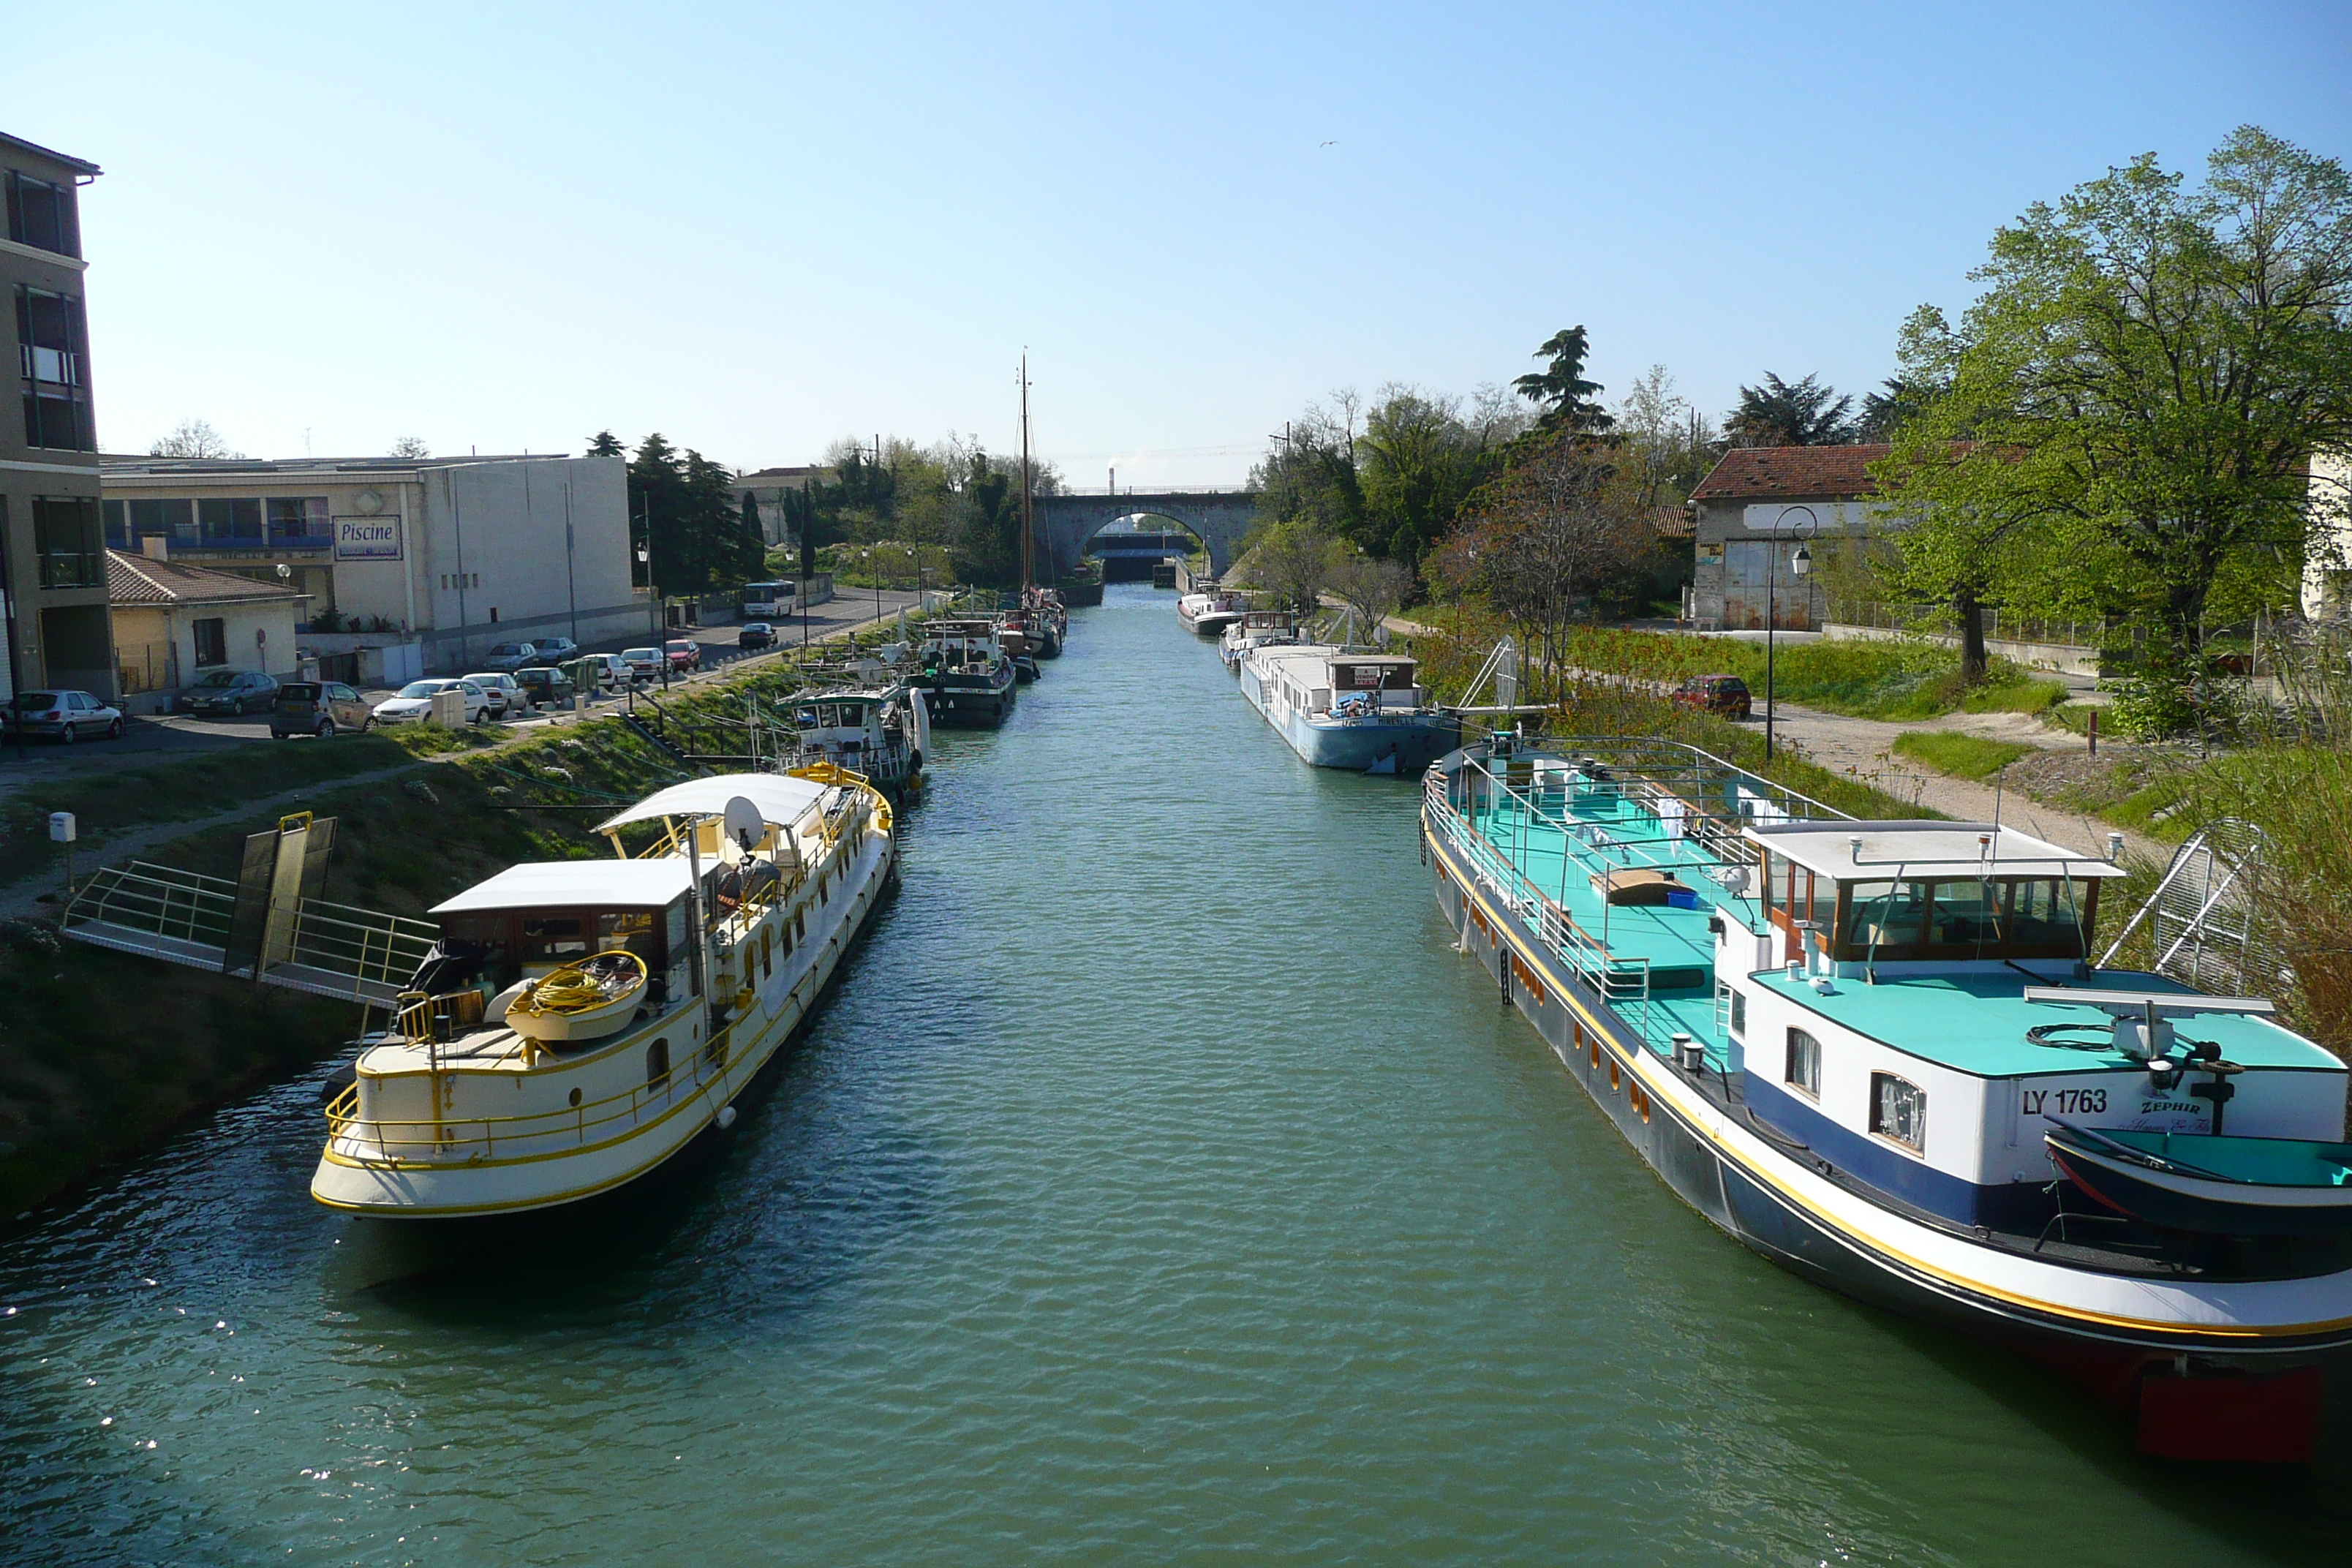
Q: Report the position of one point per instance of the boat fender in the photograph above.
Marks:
(726, 1117)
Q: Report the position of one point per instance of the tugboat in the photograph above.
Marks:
(966, 673)
(879, 731)
(1879, 1054)
(1343, 708)
(578, 1022)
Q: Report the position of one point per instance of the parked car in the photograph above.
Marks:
(230, 691)
(414, 702)
(544, 684)
(683, 654)
(553, 650)
(506, 696)
(613, 671)
(644, 662)
(65, 714)
(317, 708)
(1724, 694)
(756, 634)
(511, 655)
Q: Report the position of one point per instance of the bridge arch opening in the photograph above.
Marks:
(1130, 546)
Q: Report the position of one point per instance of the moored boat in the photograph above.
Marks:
(1257, 629)
(1879, 1054)
(579, 1022)
(879, 730)
(1210, 612)
(1342, 708)
(966, 672)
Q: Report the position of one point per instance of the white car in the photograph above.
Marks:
(613, 671)
(644, 663)
(511, 656)
(414, 702)
(506, 697)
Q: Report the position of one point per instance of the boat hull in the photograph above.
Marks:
(698, 1089)
(2217, 1371)
(976, 706)
(1403, 746)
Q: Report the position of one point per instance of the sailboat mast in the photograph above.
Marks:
(1028, 527)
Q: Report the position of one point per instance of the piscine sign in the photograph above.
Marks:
(367, 538)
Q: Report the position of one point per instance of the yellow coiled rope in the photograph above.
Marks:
(573, 989)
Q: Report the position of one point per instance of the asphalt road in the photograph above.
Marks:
(186, 735)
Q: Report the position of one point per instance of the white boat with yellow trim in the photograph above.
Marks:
(578, 1022)
(1882, 1055)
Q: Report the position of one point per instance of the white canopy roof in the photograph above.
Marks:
(1922, 851)
(781, 799)
(562, 884)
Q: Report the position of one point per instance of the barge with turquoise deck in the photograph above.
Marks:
(1879, 1054)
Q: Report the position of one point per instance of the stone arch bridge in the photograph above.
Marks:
(1218, 518)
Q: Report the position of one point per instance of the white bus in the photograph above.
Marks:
(770, 601)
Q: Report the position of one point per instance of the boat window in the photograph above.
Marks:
(631, 928)
(1898, 1110)
(2044, 912)
(1964, 914)
(657, 1064)
(1738, 1012)
(554, 938)
(1804, 1064)
(1883, 915)
(677, 923)
(767, 952)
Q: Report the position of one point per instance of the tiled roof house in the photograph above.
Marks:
(1752, 511)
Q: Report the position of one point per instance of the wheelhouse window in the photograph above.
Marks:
(68, 540)
(1804, 1069)
(41, 214)
(1898, 1111)
(1991, 918)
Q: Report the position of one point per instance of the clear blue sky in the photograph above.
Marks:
(760, 227)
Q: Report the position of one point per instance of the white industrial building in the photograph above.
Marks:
(411, 563)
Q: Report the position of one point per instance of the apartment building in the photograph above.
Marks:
(55, 630)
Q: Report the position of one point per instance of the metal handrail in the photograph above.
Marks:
(687, 1075)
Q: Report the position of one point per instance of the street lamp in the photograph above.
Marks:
(869, 555)
(919, 577)
(1799, 566)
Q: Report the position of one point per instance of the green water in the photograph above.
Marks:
(1157, 1185)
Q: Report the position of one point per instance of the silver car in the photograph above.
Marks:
(506, 697)
(64, 714)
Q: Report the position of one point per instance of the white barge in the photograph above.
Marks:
(1340, 709)
(724, 932)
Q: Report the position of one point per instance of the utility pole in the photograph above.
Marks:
(1028, 526)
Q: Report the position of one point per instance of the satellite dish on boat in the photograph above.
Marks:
(1381, 633)
(746, 823)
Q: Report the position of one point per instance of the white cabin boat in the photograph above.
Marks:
(738, 914)
(1210, 613)
(880, 730)
(1340, 709)
(1257, 629)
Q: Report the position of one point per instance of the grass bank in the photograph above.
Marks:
(1963, 756)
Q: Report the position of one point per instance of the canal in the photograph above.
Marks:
(1157, 1185)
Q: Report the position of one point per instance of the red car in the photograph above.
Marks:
(683, 654)
(1724, 694)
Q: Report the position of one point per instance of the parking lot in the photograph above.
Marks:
(152, 738)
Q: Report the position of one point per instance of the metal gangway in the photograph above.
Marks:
(2203, 919)
(267, 925)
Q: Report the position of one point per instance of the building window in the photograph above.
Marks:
(230, 520)
(66, 538)
(298, 519)
(1898, 1111)
(211, 642)
(116, 538)
(52, 368)
(170, 519)
(41, 214)
(1804, 1072)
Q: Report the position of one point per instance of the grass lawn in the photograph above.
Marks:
(1963, 756)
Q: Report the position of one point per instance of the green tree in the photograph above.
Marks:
(2141, 382)
(604, 444)
(1560, 387)
(1790, 414)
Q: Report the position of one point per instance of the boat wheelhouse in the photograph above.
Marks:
(1881, 1054)
(578, 1022)
(1343, 708)
(1257, 629)
(966, 672)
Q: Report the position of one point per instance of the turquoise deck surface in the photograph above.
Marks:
(1977, 1023)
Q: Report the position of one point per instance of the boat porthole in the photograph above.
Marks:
(1641, 1102)
(575, 1097)
(1593, 1045)
(1613, 1073)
